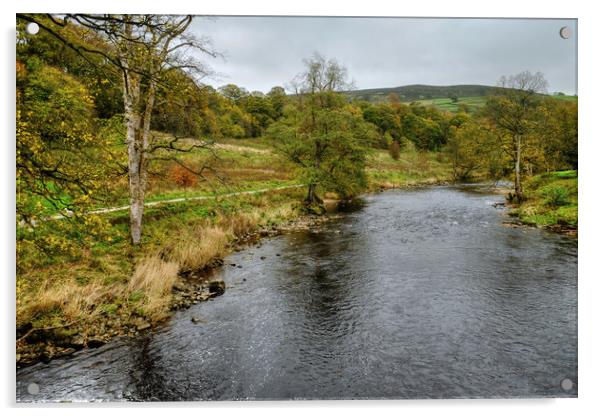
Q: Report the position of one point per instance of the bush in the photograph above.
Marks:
(183, 177)
(555, 195)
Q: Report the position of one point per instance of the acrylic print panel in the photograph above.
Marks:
(275, 208)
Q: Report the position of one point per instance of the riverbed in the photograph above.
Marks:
(413, 294)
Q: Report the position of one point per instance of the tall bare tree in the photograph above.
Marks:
(144, 49)
(513, 110)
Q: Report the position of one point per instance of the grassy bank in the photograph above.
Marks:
(551, 201)
(412, 168)
(110, 288)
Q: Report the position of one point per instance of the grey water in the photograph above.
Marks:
(415, 294)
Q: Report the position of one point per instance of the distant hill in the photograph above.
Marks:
(409, 93)
(472, 97)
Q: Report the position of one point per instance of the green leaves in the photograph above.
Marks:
(329, 141)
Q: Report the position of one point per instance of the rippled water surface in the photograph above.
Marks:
(418, 294)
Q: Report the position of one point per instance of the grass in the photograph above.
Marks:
(112, 279)
(446, 104)
(552, 200)
(412, 168)
(152, 281)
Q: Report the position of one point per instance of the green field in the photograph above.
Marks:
(473, 103)
(446, 104)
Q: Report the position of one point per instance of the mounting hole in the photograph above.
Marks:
(565, 32)
(33, 388)
(566, 384)
(32, 28)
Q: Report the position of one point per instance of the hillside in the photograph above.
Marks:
(472, 96)
(418, 92)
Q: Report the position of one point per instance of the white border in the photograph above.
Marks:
(590, 153)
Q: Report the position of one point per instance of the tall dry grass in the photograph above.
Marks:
(66, 298)
(239, 224)
(196, 248)
(148, 288)
(154, 277)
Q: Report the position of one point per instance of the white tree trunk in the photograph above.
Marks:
(136, 168)
(518, 189)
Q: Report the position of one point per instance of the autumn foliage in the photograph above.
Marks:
(182, 177)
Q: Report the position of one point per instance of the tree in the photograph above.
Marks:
(277, 97)
(143, 49)
(470, 149)
(325, 137)
(513, 111)
(556, 132)
(54, 114)
(384, 117)
(233, 92)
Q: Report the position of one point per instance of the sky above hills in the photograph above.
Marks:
(260, 52)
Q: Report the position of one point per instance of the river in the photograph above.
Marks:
(420, 293)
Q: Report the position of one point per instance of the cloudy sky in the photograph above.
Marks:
(260, 52)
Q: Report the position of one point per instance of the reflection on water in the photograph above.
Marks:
(415, 294)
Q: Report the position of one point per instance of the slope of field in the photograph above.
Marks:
(447, 104)
(409, 93)
(473, 96)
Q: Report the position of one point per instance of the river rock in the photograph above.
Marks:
(142, 326)
(96, 342)
(65, 352)
(179, 285)
(78, 342)
(216, 286)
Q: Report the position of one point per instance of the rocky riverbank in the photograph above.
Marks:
(44, 344)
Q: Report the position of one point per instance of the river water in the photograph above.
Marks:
(416, 294)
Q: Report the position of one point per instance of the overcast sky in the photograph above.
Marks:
(261, 52)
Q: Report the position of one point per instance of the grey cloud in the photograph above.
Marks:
(385, 52)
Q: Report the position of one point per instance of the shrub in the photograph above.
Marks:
(183, 177)
(555, 195)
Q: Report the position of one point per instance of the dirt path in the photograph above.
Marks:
(241, 149)
(177, 200)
